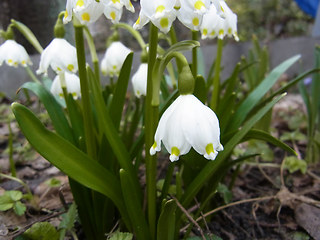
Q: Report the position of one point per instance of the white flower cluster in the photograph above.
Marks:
(212, 17)
(87, 11)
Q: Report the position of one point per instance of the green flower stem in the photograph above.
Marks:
(12, 165)
(133, 32)
(216, 78)
(151, 118)
(173, 35)
(31, 75)
(93, 52)
(194, 55)
(87, 117)
(159, 68)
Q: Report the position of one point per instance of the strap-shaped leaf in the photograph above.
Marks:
(256, 95)
(133, 204)
(68, 158)
(166, 222)
(262, 135)
(119, 96)
(107, 127)
(53, 108)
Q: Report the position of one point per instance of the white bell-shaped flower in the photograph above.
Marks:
(72, 82)
(161, 13)
(14, 54)
(139, 80)
(189, 17)
(213, 25)
(60, 55)
(198, 6)
(86, 11)
(113, 9)
(114, 58)
(188, 123)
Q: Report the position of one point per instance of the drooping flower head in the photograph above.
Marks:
(14, 54)
(60, 55)
(161, 13)
(188, 123)
(219, 21)
(86, 11)
(72, 82)
(139, 80)
(191, 13)
(114, 58)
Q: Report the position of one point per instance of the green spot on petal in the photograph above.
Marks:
(175, 151)
(209, 149)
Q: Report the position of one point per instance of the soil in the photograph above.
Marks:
(267, 201)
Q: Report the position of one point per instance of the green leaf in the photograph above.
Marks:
(261, 135)
(14, 195)
(225, 193)
(121, 236)
(256, 95)
(133, 204)
(53, 182)
(54, 109)
(69, 218)
(119, 96)
(213, 166)
(166, 222)
(294, 164)
(211, 237)
(19, 208)
(6, 202)
(67, 157)
(28, 34)
(41, 231)
(107, 128)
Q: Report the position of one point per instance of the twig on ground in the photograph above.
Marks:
(189, 217)
(43, 219)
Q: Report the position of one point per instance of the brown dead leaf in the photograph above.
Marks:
(308, 217)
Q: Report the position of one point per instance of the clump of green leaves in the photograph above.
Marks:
(12, 200)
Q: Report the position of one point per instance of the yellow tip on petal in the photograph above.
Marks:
(80, 3)
(160, 9)
(205, 32)
(138, 21)
(195, 21)
(85, 17)
(175, 151)
(164, 22)
(113, 15)
(209, 149)
(199, 5)
(70, 67)
(229, 31)
(221, 32)
(116, 1)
